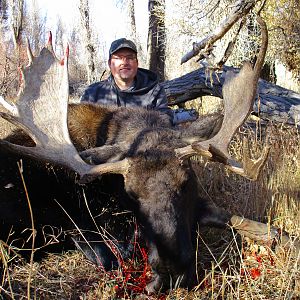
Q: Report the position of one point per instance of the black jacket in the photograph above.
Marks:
(146, 92)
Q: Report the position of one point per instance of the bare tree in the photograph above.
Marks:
(17, 19)
(90, 50)
(12, 16)
(3, 10)
(131, 13)
(239, 9)
(34, 27)
(129, 7)
(133, 30)
(59, 45)
(3, 17)
(156, 38)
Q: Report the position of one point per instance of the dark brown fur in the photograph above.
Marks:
(160, 189)
(163, 189)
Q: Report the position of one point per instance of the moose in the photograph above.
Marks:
(142, 146)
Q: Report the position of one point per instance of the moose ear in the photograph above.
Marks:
(103, 154)
(204, 128)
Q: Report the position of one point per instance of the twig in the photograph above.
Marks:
(20, 166)
(4, 261)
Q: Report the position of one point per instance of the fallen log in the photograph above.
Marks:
(274, 102)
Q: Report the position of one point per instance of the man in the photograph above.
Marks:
(128, 85)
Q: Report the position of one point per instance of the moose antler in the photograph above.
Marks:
(41, 111)
(265, 234)
(239, 92)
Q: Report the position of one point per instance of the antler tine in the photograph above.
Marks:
(29, 53)
(239, 92)
(9, 106)
(49, 45)
(41, 111)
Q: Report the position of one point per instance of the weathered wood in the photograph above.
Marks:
(274, 102)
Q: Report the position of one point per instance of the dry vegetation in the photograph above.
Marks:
(233, 268)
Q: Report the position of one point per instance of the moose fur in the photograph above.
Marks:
(159, 188)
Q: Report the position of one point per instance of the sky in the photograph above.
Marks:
(109, 19)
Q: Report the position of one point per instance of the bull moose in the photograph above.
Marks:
(152, 156)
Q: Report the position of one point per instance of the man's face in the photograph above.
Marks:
(123, 65)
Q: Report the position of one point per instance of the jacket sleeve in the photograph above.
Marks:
(161, 102)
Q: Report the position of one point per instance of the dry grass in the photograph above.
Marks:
(233, 268)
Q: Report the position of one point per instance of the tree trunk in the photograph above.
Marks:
(88, 44)
(156, 38)
(17, 21)
(133, 31)
(273, 102)
(3, 11)
(131, 15)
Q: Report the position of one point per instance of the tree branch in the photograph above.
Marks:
(241, 8)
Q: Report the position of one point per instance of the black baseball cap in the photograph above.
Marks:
(121, 43)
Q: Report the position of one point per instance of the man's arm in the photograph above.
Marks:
(161, 102)
(177, 116)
